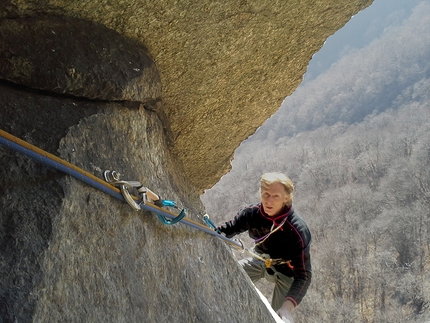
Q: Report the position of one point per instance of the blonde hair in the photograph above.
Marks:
(275, 177)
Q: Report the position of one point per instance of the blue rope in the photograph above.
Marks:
(49, 160)
(58, 166)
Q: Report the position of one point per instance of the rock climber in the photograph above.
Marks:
(281, 243)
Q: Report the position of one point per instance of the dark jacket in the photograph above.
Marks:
(290, 242)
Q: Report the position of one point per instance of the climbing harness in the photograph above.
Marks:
(269, 262)
(107, 186)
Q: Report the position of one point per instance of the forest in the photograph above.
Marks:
(356, 143)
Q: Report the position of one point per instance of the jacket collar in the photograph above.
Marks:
(285, 212)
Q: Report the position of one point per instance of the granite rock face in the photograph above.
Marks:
(163, 92)
(225, 66)
(78, 58)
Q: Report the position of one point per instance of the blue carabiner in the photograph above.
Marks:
(210, 224)
(178, 218)
(168, 203)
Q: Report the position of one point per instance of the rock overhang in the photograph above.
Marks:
(224, 67)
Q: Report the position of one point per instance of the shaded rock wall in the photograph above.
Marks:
(163, 93)
(76, 57)
(225, 66)
(69, 253)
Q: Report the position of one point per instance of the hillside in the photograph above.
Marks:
(356, 143)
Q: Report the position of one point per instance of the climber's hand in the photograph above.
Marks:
(285, 312)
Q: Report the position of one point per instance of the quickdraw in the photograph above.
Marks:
(122, 193)
(209, 223)
(113, 177)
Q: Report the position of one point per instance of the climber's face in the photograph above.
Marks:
(273, 198)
